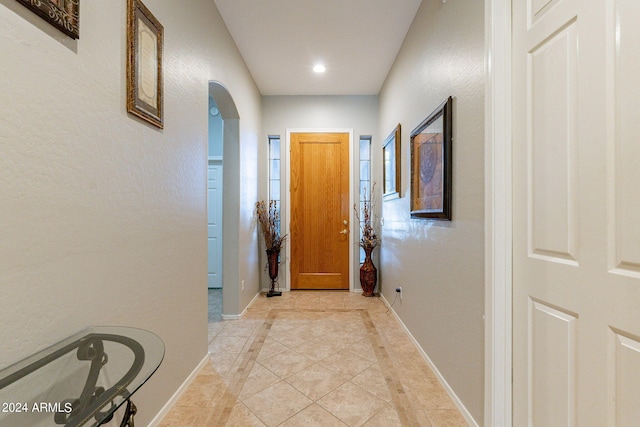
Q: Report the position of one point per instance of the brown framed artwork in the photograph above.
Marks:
(62, 14)
(391, 165)
(144, 64)
(431, 164)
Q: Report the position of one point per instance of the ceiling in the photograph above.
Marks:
(281, 41)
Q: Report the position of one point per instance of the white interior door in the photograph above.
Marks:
(576, 205)
(214, 214)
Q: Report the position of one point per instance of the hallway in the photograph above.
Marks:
(314, 358)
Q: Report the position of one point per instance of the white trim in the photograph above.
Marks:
(176, 396)
(285, 150)
(498, 215)
(241, 315)
(463, 410)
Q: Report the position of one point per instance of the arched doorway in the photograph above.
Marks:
(222, 200)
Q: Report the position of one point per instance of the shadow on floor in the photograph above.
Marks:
(215, 305)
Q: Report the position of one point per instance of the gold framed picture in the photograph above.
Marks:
(62, 14)
(144, 64)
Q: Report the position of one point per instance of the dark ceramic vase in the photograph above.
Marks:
(272, 259)
(368, 275)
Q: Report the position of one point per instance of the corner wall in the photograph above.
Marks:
(440, 264)
(103, 217)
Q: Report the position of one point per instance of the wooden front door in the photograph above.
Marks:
(319, 211)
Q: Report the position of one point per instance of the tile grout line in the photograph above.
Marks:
(228, 400)
(398, 394)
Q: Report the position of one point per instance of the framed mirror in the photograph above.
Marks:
(391, 165)
(431, 175)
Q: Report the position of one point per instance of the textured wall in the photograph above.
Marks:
(440, 265)
(103, 217)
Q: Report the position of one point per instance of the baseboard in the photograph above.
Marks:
(167, 407)
(463, 410)
(239, 316)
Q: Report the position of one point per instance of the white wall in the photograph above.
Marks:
(103, 217)
(440, 264)
(280, 113)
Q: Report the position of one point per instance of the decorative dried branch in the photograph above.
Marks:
(369, 239)
(269, 219)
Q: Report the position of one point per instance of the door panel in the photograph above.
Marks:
(319, 210)
(576, 267)
(626, 377)
(624, 153)
(552, 370)
(552, 111)
(214, 228)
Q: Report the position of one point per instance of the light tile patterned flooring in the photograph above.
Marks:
(313, 359)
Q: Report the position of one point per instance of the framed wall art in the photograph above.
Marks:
(144, 64)
(62, 14)
(431, 175)
(391, 165)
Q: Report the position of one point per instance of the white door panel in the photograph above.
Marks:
(625, 156)
(214, 233)
(576, 204)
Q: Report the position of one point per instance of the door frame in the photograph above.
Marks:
(285, 198)
(498, 215)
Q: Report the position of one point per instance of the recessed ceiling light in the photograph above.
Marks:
(319, 68)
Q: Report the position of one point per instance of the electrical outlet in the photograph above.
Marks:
(242, 285)
(399, 290)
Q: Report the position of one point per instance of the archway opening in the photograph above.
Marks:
(222, 200)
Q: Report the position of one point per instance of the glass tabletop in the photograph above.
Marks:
(80, 381)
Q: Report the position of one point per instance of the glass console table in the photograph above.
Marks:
(80, 381)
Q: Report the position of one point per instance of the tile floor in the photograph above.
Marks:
(215, 305)
(313, 359)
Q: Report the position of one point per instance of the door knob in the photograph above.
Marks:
(345, 231)
(345, 222)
